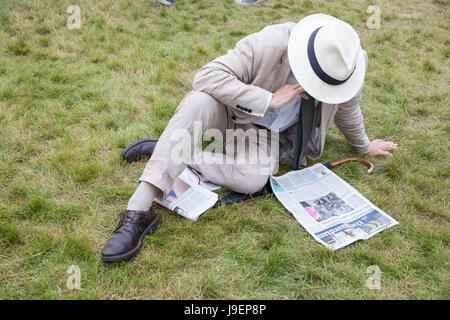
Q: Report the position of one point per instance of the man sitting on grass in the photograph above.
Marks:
(260, 85)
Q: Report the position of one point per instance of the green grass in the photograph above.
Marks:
(70, 100)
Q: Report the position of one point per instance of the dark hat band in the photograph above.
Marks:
(315, 64)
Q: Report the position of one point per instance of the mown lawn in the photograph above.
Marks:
(71, 100)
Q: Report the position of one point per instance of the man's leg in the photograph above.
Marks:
(142, 198)
(161, 171)
(164, 166)
(248, 169)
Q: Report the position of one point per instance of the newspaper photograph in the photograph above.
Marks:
(189, 196)
(331, 210)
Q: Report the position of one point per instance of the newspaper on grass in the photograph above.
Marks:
(331, 210)
(189, 196)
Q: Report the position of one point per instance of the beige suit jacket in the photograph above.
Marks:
(243, 78)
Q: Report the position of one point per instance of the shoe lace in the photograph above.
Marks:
(125, 220)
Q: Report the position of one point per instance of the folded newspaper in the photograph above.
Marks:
(331, 210)
(189, 196)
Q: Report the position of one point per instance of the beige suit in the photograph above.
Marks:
(231, 92)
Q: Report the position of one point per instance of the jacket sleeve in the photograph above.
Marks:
(350, 121)
(227, 77)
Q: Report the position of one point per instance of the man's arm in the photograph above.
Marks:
(350, 121)
(226, 78)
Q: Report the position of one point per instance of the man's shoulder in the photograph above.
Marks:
(281, 27)
(277, 32)
(275, 37)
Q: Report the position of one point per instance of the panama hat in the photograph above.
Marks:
(326, 58)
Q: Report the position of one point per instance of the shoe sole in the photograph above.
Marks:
(134, 144)
(150, 230)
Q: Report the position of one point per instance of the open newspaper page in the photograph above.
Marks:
(331, 210)
(189, 197)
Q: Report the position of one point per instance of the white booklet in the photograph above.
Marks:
(330, 209)
(190, 197)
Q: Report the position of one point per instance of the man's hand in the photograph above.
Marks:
(380, 147)
(286, 93)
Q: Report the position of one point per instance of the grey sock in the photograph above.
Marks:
(142, 198)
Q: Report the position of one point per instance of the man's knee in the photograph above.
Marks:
(201, 106)
(248, 180)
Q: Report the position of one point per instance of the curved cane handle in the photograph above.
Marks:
(366, 162)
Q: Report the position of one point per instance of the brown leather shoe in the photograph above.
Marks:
(126, 240)
(139, 149)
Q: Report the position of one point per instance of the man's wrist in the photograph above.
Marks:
(366, 149)
(268, 101)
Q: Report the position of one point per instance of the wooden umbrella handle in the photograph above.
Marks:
(339, 162)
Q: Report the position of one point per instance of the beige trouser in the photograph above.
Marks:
(244, 170)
